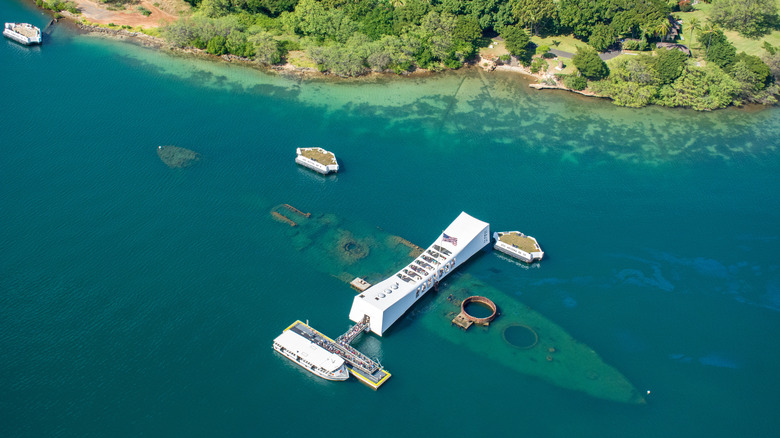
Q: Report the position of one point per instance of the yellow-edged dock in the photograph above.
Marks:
(365, 369)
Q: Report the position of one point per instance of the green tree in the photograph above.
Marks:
(237, 44)
(759, 70)
(410, 14)
(492, 14)
(266, 48)
(465, 36)
(707, 32)
(632, 82)
(662, 28)
(580, 16)
(772, 60)
(693, 25)
(575, 82)
(341, 60)
(589, 64)
(602, 37)
(179, 33)
(535, 14)
(751, 18)
(630, 94)
(438, 29)
(669, 64)
(700, 88)
(719, 49)
(467, 28)
(216, 8)
(216, 45)
(455, 7)
(378, 21)
(639, 69)
(312, 19)
(270, 7)
(516, 40)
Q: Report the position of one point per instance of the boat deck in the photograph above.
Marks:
(29, 33)
(520, 241)
(319, 155)
(360, 366)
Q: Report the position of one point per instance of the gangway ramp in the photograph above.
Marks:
(365, 369)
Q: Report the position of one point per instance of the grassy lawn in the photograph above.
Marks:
(497, 50)
(747, 45)
(614, 60)
(567, 43)
(568, 66)
(299, 58)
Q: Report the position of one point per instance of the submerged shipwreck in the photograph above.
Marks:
(519, 338)
(176, 157)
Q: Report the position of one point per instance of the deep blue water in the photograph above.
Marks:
(141, 300)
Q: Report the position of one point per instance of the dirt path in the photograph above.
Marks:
(96, 12)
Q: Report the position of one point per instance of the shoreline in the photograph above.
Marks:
(150, 41)
(102, 30)
(145, 40)
(544, 81)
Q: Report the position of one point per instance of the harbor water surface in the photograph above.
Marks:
(136, 299)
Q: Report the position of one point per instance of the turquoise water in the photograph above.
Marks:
(141, 300)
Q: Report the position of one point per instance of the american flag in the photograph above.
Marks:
(450, 239)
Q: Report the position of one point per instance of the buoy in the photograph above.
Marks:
(648, 392)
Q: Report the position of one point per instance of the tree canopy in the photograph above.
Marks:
(669, 64)
(751, 18)
(516, 40)
(589, 64)
(719, 49)
(352, 37)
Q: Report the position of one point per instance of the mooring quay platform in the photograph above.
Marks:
(365, 369)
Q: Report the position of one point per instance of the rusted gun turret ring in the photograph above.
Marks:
(482, 300)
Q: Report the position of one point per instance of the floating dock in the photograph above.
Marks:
(360, 284)
(365, 369)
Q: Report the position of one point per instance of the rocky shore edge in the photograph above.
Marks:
(544, 82)
(158, 43)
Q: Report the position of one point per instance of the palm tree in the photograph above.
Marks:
(708, 30)
(694, 25)
(662, 29)
(645, 31)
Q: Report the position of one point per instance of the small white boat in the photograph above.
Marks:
(518, 245)
(317, 159)
(311, 356)
(22, 33)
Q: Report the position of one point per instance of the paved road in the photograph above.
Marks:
(606, 56)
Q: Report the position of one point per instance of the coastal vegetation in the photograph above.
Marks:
(57, 6)
(716, 54)
(349, 38)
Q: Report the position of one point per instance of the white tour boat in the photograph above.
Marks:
(317, 159)
(518, 245)
(23, 33)
(311, 356)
